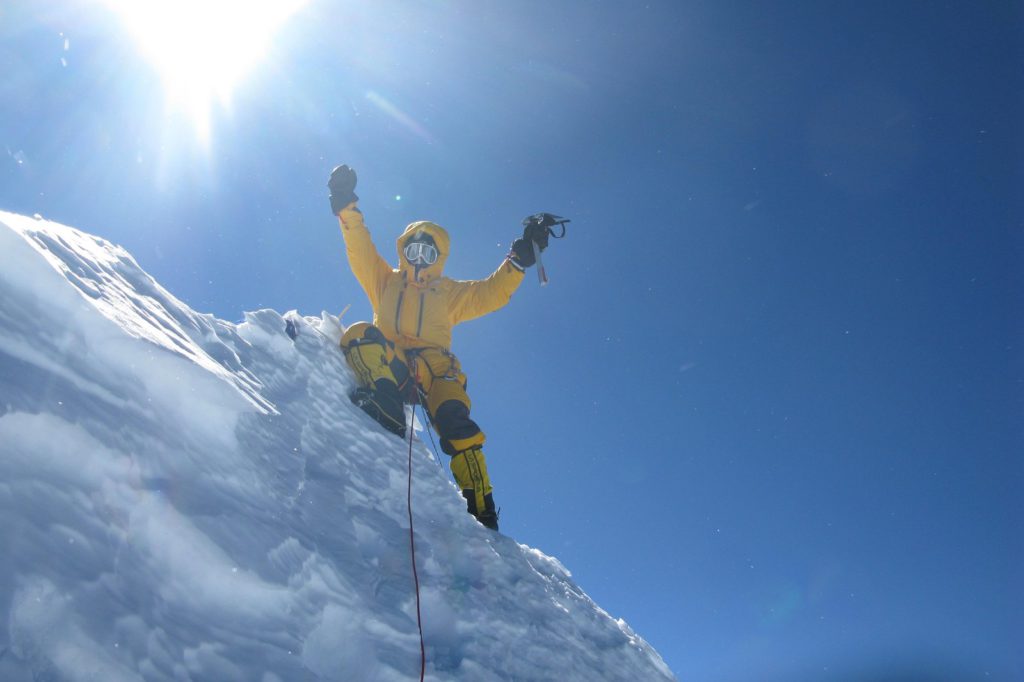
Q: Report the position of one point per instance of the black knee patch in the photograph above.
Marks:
(452, 422)
(370, 335)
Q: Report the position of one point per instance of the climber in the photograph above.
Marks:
(405, 356)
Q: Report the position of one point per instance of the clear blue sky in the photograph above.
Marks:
(769, 409)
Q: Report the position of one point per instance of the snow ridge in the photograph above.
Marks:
(182, 498)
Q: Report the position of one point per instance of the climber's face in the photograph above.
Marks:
(420, 251)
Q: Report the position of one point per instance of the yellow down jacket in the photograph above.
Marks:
(418, 308)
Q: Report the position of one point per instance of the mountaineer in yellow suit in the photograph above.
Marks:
(405, 353)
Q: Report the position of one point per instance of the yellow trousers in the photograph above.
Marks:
(433, 377)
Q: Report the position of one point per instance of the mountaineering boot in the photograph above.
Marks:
(384, 403)
(368, 354)
(488, 517)
(470, 470)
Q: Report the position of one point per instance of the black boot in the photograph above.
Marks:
(470, 469)
(488, 516)
(384, 403)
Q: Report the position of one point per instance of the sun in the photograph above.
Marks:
(202, 48)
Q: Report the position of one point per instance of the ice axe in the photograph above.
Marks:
(539, 227)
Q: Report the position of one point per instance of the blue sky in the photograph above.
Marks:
(768, 409)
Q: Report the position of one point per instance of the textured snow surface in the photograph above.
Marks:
(182, 498)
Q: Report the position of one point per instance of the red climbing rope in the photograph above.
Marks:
(412, 547)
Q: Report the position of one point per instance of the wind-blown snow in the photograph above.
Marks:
(182, 498)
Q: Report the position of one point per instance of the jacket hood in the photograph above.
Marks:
(430, 272)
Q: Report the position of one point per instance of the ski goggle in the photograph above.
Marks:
(420, 253)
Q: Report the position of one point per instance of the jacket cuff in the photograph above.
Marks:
(350, 214)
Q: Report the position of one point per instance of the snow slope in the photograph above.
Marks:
(182, 498)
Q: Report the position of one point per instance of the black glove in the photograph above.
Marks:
(522, 253)
(535, 230)
(342, 185)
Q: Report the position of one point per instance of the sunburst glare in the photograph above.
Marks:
(202, 48)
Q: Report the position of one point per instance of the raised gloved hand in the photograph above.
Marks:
(342, 185)
(522, 253)
(536, 230)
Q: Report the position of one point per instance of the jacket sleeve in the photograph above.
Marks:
(471, 299)
(367, 265)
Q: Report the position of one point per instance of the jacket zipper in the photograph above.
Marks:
(419, 321)
(398, 312)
